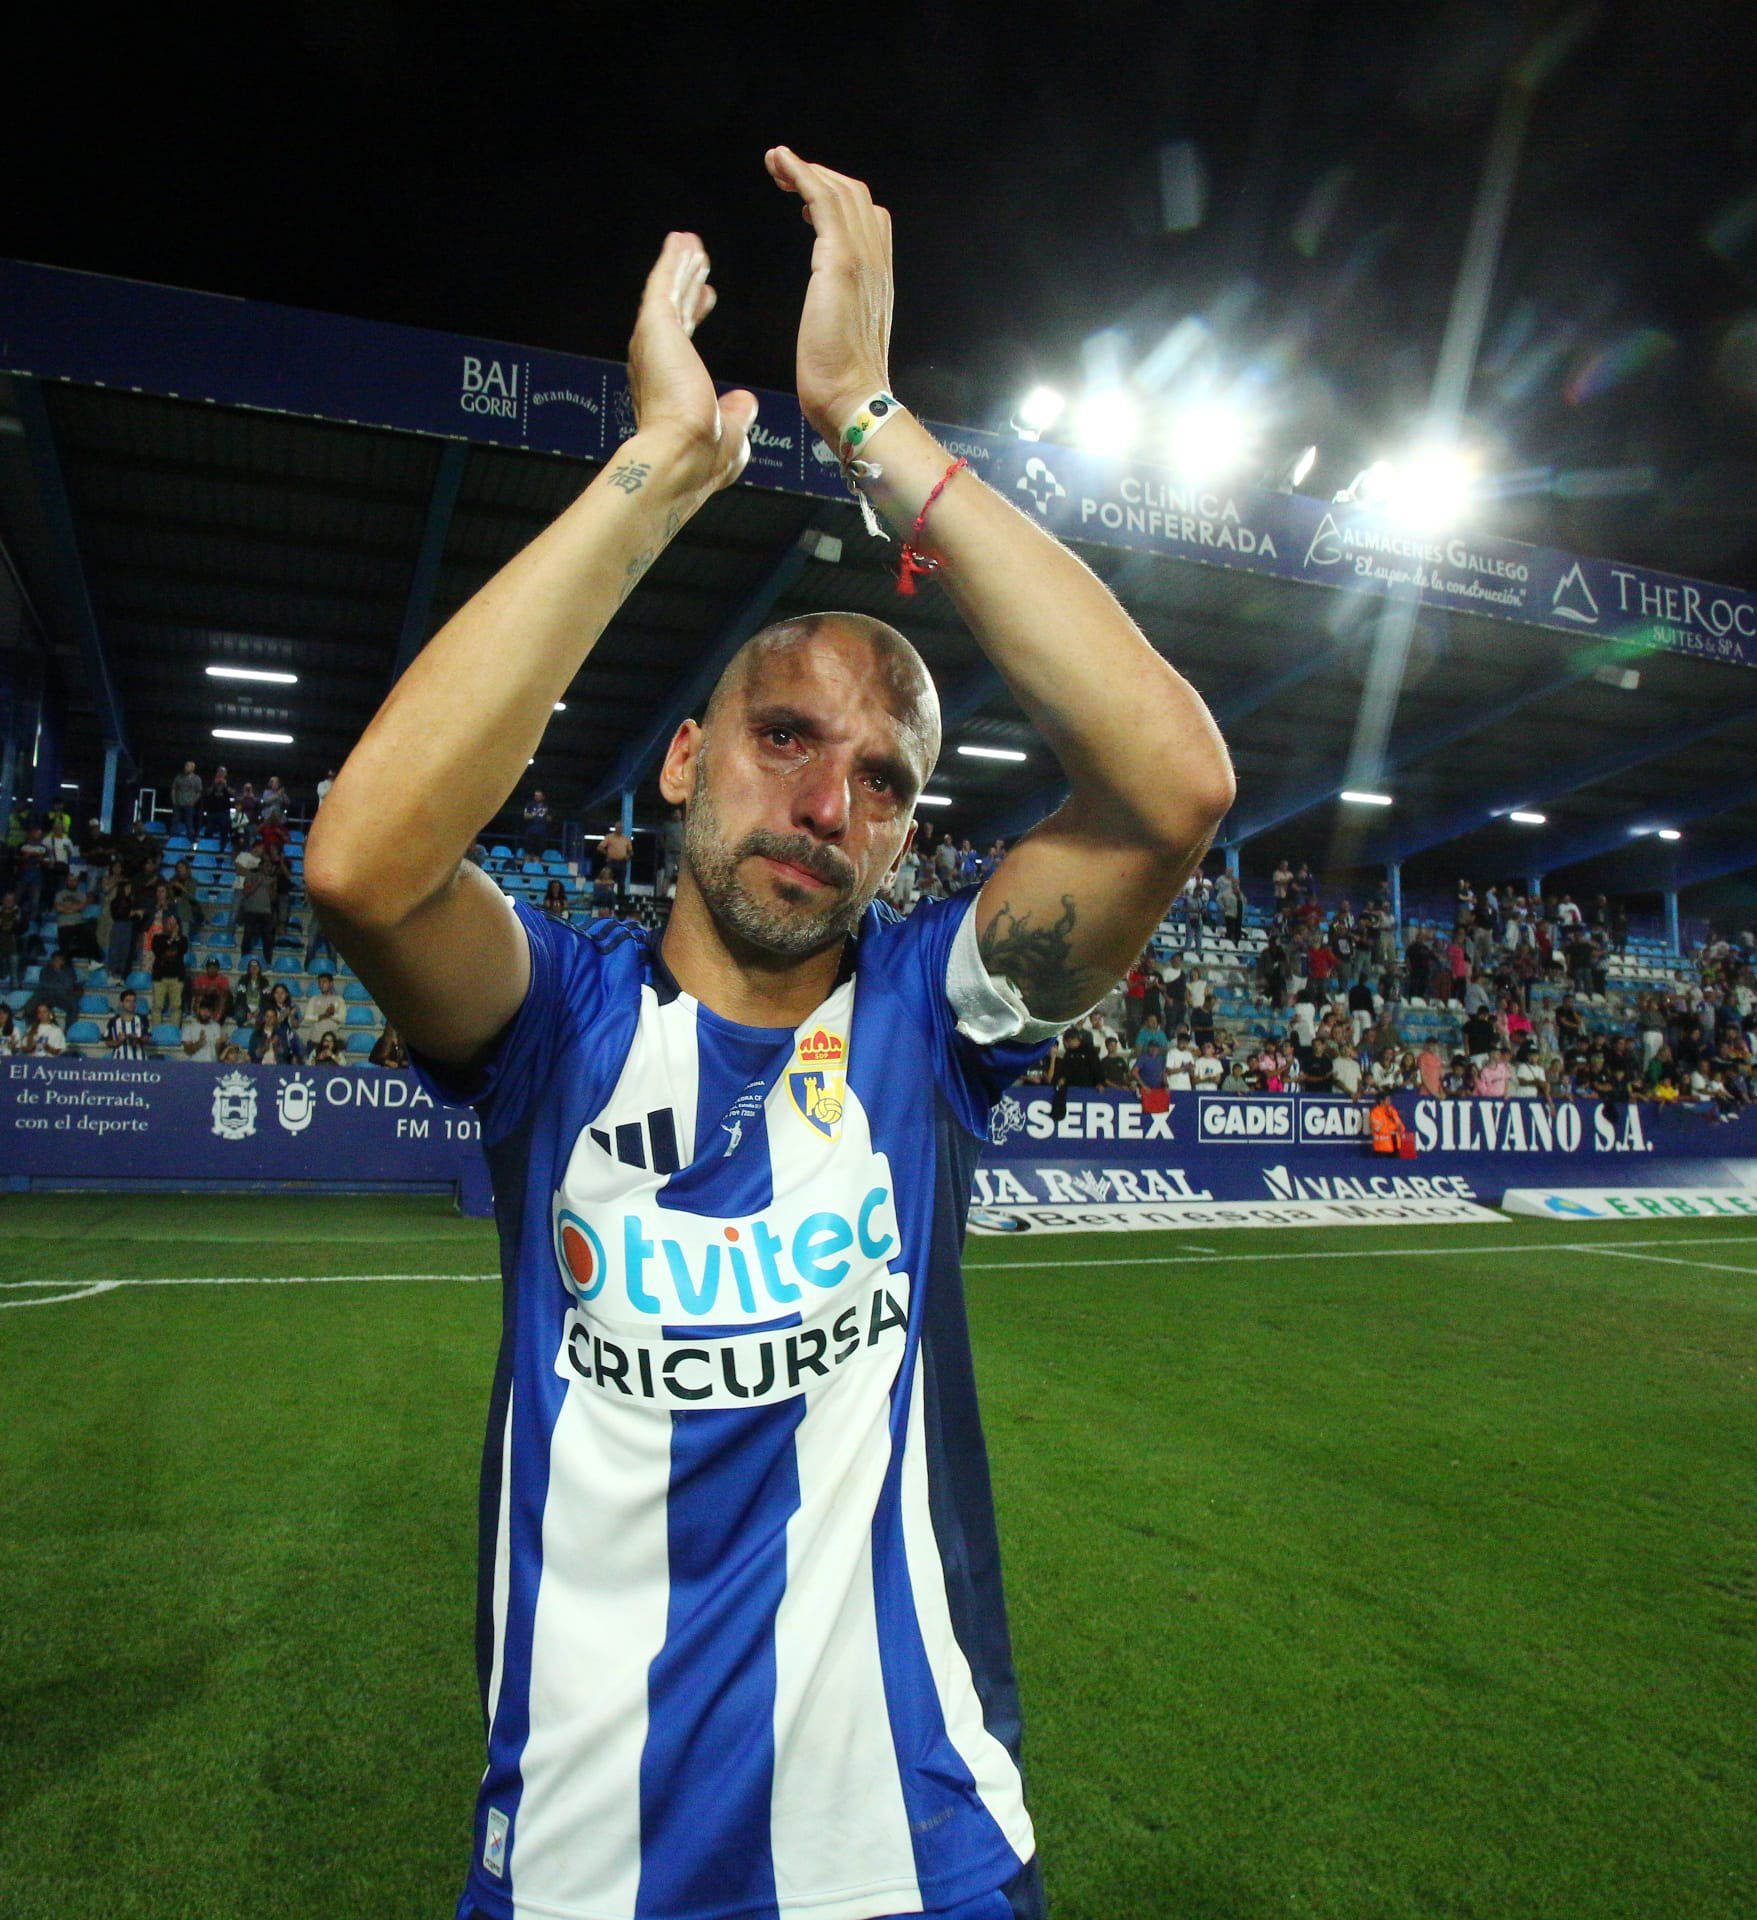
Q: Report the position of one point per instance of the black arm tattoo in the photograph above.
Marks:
(1037, 961)
(631, 476)
(631, 574)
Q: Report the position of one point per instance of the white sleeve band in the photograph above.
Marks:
(989, 1007)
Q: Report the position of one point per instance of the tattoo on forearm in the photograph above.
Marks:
(631, 475)
(1038, 962)
(631, 574)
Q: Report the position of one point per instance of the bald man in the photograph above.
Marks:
(741, 1638)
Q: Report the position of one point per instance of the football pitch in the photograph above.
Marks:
(1402, 1572)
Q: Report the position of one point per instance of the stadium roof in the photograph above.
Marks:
(186, 480)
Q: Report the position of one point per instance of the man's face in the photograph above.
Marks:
(128, 1003)
(324, 982)
(800, 797)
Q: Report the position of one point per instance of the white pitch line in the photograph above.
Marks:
(1355, 1253)
(1671, 1260)
(60, 1299)
(239, 1280)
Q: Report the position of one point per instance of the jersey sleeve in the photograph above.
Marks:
(566, 995)
(983, 1034)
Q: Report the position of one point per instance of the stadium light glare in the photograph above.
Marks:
(1429, 490)
(1364, 799)
(1208, 438)
(1521, 818)
(991, 753)
(271, 675)
(1040, 409)
(1669, 833)
(1108, 421)
(1303, 465)
(933, 799)
(69, 786)
(561, 706)
(255, 738)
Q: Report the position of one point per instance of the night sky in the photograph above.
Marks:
(1295, 180)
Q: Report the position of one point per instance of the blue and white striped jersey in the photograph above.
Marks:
(742, 1646)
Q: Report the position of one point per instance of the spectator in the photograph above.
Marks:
(185, 800)
(536, 823)
(1208, 1070)
(12, 925)
(127, 1032)
(44, 1037)
(256, 905)
(616, 850)
(1345, 1074)
(201, 1034)
(210, 991)
(325, 1012)
(275, 800)
(1150, 1073)
(1114, 1070)
(233, 1055)
(274, 1045)
(671, 859)
(250, 995)
(75, 932)
(329, 1051)
(1494, 1078)
(58, 985)
(186, 900)
(169, 947)
(216, 809)
(9, 1032)
(604, 892)
(555, 902)
(126, 912)
(1178, 1060)
(280, 997)
(33, 868)
(388, 1049)
(1229, 897)
(1385, 1125)
(324, 785)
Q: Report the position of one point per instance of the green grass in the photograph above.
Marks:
(1421, 1586)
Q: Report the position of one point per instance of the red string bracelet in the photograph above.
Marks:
(913, 560)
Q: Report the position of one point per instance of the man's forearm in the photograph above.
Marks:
(1134, 738)
(453, 739)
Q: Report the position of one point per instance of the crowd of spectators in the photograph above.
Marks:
(1520, 980)
(114, 902)
(1523, 979)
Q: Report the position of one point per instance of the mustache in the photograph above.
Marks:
(820, 862)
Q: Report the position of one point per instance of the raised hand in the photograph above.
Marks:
(845, 330)
(672, 390)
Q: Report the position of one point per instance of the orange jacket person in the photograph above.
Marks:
(1387, 1126)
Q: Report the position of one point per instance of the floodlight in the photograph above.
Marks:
(1365, 799)
(1669, 833)
(270, 674)
(1430, 489)
(933, 799)
(561, 706)
(1296, 472)
(1520, 818)
(1108, 421)
(69, 786)
(257, 739)
(1209, 437)
(1040, 409)
(992, 753)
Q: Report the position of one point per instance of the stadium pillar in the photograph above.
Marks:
(628, 810)
(1231, 860)
(107, 813)
(1534, 885)
(1394, 873)
(1671, 921)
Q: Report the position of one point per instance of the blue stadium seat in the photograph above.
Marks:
(167, 1035)
(94, 1003)
(362, 1016)
(355, 990)
(19, 999)
(140, 980)
(207, 846)
(84, 1033)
